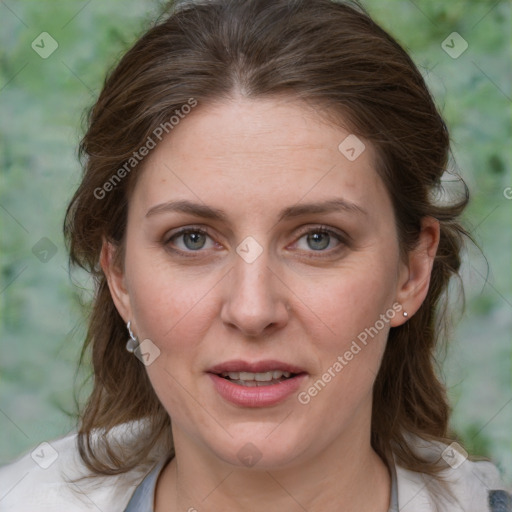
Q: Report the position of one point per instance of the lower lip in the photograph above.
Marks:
(257, 396)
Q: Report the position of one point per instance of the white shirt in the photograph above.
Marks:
(39, 482)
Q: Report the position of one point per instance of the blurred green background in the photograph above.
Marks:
(42, 103)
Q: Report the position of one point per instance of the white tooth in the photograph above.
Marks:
(258, 377)
(252, 383)
(262, 377)
(277, 374)
(249, 383)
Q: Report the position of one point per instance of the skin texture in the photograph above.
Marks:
(252, 158)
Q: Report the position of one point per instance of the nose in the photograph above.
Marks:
(255, 302)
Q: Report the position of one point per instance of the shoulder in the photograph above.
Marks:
(464, 486)
(47, 479)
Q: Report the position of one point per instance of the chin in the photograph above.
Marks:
(261, 451)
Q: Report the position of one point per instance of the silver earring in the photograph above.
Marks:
(132, 343)
(405, 314)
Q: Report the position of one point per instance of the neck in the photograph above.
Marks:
(348, 476)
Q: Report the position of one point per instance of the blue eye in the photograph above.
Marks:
(319, 239)
(193, 239)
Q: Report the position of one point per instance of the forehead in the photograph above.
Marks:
(253, 155)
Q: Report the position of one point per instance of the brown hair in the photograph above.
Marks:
(333, 56)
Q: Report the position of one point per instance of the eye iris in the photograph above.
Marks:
(198, 240)
(316, 238)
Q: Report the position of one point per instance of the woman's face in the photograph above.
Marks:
(271, 276)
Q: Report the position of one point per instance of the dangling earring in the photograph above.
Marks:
(132, 343)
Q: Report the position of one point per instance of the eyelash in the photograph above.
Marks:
(342, 239)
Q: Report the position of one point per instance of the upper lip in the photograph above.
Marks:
(254, 367)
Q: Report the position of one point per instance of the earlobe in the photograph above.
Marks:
(116, 279)
(414, 280)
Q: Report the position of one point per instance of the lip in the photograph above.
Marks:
(257, 396)
(260, 396)
(255, 367)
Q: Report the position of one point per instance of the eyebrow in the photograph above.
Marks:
(297, 210)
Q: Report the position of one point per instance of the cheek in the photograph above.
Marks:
(175, 310)
(355, 310)
(173, 307)
(349, 301)
(349, 355)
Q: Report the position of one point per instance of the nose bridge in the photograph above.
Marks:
(254, 300)
(252, 277)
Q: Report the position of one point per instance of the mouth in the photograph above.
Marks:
(258, 384)
(261, 373)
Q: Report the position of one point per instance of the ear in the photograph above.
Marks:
(115, 279)
(414, 275)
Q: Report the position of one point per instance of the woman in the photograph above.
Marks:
(258, 210)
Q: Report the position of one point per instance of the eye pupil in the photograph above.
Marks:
(316, 238)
